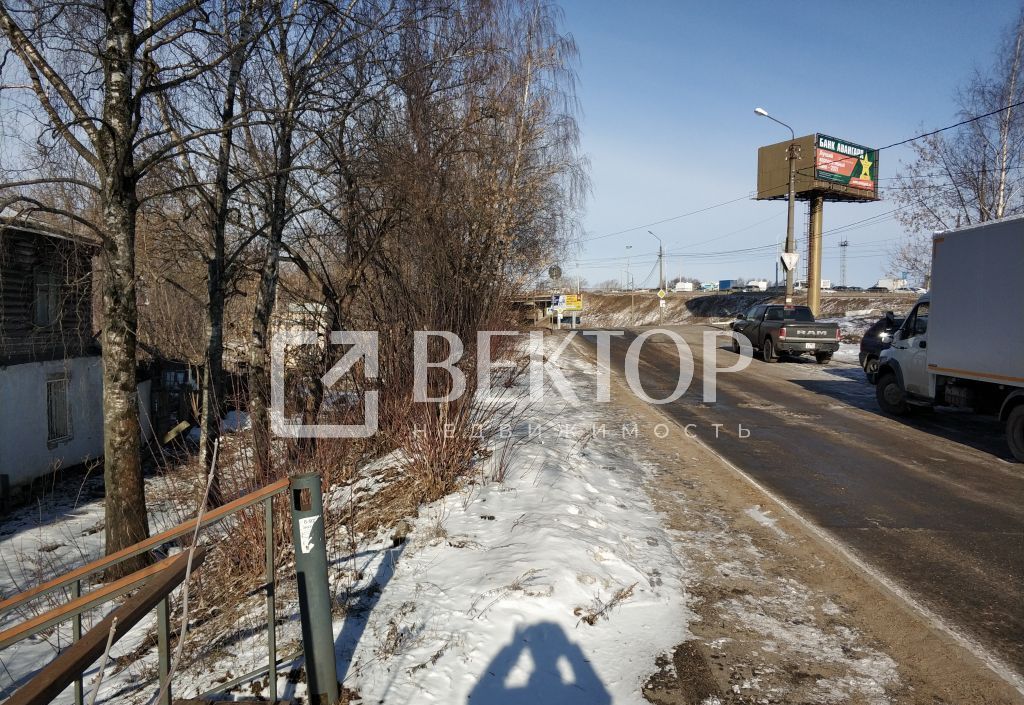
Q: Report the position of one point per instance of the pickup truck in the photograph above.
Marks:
(775, 329)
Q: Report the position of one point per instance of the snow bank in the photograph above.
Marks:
(491, 598)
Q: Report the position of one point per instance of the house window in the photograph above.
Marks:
(58, 413)
(47, 302)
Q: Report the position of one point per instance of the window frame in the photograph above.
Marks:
(47, 293)
(53, 438)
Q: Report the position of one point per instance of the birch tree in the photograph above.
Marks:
(974, 173)
(92, 70)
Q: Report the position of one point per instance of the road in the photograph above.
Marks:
(934, 502)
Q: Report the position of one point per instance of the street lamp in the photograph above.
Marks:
(790, 244)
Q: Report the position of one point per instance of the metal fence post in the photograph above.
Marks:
(163, 647)
(268, 549)
(307, 508)
(76, 634)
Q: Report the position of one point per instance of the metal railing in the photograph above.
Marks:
(72, 611)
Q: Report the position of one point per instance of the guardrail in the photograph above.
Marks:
(158, 575)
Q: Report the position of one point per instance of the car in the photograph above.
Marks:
(855, 288)
(878, 290)
(876, 339)
(906, 290)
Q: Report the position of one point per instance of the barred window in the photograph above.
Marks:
(58, 413)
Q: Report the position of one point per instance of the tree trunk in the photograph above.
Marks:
(259, 354)
(213, 378)
(125, 506)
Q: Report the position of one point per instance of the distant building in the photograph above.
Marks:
(684, 286)
(51, 388)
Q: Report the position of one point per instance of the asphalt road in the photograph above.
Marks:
(933, 502)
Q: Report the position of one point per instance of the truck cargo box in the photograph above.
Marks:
(976, 318)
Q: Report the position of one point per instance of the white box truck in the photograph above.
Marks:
(962, 344)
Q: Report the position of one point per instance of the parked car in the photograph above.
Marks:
(876, 339)
(855, 288)
(775, 329)
(878, 290)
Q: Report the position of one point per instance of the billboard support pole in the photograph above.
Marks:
(814, 254)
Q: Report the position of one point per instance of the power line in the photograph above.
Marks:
(747, 195)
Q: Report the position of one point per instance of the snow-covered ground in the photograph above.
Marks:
(561, 583)
(557, 585)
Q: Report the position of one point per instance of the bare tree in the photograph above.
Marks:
(94, 69)
(972, 174)
(203, 187)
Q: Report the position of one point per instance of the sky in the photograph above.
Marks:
(667, 93)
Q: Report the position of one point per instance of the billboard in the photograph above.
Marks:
(567, 302)
(825, 166)
(846, 163)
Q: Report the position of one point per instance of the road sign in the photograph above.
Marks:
(555, 272)
(663, 303)
(789, 260)
(573, 302)
(661, 293)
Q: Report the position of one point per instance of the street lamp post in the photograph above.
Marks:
(790, 243)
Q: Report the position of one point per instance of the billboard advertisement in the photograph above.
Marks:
(567, 302)
(846, 163)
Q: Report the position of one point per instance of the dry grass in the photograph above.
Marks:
(602, 609)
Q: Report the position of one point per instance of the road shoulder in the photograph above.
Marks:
(784, 615)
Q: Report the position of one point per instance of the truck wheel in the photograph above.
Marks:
(768, 350)
(891, 398)
(823, 358)
(1015, 432)
(735, 345)
(871, 367)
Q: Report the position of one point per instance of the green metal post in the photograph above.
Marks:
(163, 646)
(271, 589)
(76, 634)
(307, 509)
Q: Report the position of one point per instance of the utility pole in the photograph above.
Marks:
(842, 261)
(661, 275)
(630, 285)
(793, 153)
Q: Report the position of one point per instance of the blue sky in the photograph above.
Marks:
(668, 89)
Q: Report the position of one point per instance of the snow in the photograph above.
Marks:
(487, 601)
(235, 421)
(848, 352)
(492, 597)
(559, 584)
